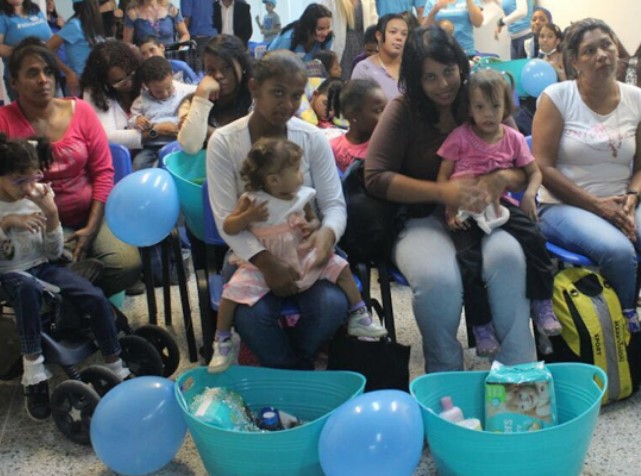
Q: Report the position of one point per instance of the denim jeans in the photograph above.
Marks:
(426, 256)
(26, 295)
(584, 232)
(323, 309)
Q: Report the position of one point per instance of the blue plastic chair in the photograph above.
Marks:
(167, 149)
(121, 160)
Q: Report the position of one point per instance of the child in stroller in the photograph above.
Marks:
(31, 239)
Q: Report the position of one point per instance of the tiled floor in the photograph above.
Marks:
(34, 449)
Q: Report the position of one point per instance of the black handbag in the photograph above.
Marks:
(384, 363)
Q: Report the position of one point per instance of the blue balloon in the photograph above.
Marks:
(375, 433)
(143, 207)
(537, 75)
(138, 426)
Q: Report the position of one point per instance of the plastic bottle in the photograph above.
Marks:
(269, 419)
(450, 412)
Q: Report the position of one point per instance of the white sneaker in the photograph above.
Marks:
(223, 356)
(361, 324)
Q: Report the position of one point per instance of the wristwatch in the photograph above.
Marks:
(500, 23)
(152, 133)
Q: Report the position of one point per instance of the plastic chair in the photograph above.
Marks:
(167, 149)
(121, 160)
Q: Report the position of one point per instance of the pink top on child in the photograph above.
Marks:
(473, 156)
(345, 152)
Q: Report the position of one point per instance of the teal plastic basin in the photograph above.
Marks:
(559, 450)
(189, 173)
(309, 395)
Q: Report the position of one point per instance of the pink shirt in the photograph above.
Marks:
(345, 152)
(82, 169)
(473, 156)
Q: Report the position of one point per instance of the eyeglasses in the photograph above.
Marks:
(20, 181)
(123, 82)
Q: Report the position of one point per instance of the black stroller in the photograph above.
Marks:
(67, 341)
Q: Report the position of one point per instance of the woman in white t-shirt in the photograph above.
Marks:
(585, 136)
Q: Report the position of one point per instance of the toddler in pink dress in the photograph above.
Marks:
(277, 209)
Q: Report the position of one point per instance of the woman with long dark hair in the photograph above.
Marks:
(82, 32)
(19, 19)
(308, 35)
(109, 84)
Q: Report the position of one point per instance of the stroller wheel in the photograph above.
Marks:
(164, 344)
(100, 378)
(72, 405)
(140, 356)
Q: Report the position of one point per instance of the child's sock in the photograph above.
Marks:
(222, 335)
(118, 368)
(34, 371)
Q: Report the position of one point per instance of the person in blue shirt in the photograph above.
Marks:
(199, 19)
(385, 7)
(518, 15)
(308, 35)
(154, 17)
(151, 46)
(270, 27)
(464, 16)
(18, 20)
(81, 32)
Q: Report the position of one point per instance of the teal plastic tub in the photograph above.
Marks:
(559, 450)
(189, 173)
(309, 395)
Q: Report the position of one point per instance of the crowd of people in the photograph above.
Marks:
(398, 94)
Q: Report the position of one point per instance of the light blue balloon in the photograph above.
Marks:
(378, 433)
(138, 427)
(537, 75)
(143, 207)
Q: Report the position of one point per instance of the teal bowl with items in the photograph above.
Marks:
(556, 450)
(310, 396)
(513, 67)
(189, 173)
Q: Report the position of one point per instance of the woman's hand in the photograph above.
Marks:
(493, 184)
(322, 241)
(454, 223)
(630, 209)
(613, 209)
(33, 222)
(279, 276)
(463, 193)
(208, 88)
(83, 238)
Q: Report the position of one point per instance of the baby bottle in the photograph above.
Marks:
(450, 412)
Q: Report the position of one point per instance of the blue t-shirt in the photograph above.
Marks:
(524, 23)
(284, 42)
(76, 45)
(270, 20)
(183, 72)
(164, 29)
(383, 7)
(16, 28)
(459, 16)
(201, 13)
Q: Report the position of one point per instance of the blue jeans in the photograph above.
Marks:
(426, 256)
(323, 309)
(26, 295)
(584, 232)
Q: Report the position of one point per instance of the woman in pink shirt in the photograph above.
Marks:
(81, 174)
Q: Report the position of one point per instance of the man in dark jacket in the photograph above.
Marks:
(234, 18)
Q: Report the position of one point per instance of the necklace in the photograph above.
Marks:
(380, 61)
(615, 138)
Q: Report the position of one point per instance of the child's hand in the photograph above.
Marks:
(42, 195)
(208, 88)
(528, 205)
(454, 223)
(254, 211)
(33, 222)
(142, 123)
(309, 227)
(166, 129)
